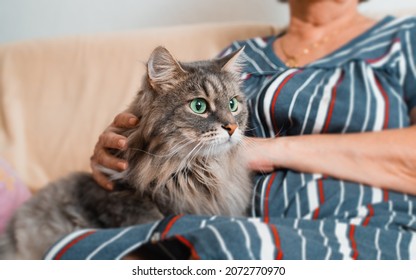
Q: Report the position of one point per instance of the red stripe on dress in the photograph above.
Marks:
(266, 198)
(370, 214)
(59, 255)
(332, 103)
(169, 226)
(353, 242)
(374, 60)
(276, 95)
(386, 104)
(321, 197)
(316, 214)
(279, 255)
(385, 195)
(188, 244)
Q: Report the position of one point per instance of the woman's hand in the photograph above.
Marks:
(259, 154)
(385, 159)
(111, 140)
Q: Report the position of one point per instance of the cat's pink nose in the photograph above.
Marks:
(230, 128)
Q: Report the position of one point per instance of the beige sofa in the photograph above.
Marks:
(57, 95)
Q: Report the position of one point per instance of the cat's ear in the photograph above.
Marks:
(163, 70)
(232, 62)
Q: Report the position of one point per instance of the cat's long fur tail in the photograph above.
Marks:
(7, 250)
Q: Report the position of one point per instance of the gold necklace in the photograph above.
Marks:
(292, 60)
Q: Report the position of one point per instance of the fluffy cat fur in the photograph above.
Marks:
(180, 161)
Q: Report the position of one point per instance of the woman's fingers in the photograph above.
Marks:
(111, 140)
(101, 179)
(102, 158)
(107, 160)
(125, 120)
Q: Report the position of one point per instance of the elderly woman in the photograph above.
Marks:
(332, 100)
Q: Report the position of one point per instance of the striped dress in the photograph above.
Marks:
(368, 84)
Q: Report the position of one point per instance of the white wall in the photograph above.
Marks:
(27, 19)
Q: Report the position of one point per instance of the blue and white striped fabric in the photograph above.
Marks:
(367, 85)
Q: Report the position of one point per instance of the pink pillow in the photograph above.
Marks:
(12, 193)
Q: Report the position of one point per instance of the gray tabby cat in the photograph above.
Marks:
(184, 157)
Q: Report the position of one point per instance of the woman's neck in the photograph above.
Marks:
(312, 19)
(317, 28)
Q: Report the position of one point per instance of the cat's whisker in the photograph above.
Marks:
(183, 163)
(250, 129)
(180, 142)
(196, 152)
(175, 150)
(208, 156)
(278, 133)
(247, 144)
(143, 151)
(211, 151)
(190, 154)
(185, 160)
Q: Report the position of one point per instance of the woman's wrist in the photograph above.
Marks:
(279, 151)
(264, 154)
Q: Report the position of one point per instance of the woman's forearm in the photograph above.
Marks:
(384, 159)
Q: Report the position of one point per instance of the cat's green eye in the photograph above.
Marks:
(198, 105)
(233, 104)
